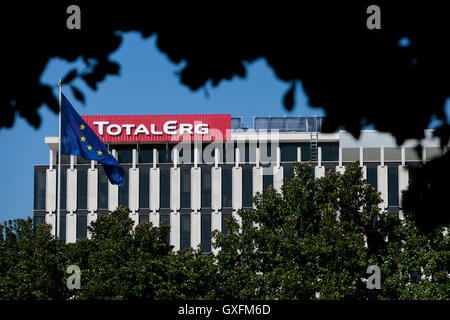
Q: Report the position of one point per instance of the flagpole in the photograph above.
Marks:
(58, 206)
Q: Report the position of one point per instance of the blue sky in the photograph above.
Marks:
(147, 85)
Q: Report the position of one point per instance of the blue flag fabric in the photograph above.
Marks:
(77, 138)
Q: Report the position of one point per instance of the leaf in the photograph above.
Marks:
(77, 93)
(288, 99)
(70, 76)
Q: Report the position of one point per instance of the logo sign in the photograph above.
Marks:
(162, 128)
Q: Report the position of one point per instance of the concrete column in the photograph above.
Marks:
(196, 188)
(237, 188)
(299, 154)
(133, 191)
(403, 156)
(135, 158)
(196, 155)
(257, 157)
(154, 218)
(278, 178)
(216, 157)
(424, 155)
(73, 162)
(257, 181)
(216, 188)
(71, 203)
(340, 168)
(238, 155)
(113, 191)
(382, 156)
(403, 180)
(91, 217)
(361, 163)
(278, 164)
(53, 160)
(382, 178)
(175, 189)
(50, 190)
(155, 158)
(50, 218)
(176, 154)
(175, 230)
(92, 189)
(71, 228)
(195, 229)
(216, 224)
(319, 170)
(154, 189)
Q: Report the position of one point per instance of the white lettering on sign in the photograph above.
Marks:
(169, 128)
(100, 125)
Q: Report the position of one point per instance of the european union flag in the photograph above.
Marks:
(77, 138)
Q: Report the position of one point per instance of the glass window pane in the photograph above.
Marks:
(227, 188)
(164, 189)
(123, 191)
(143, 218)
(63, 188)
(81, 189)
(144, 190)
(224, 223)
(393, 186)
(185, 185)
(38, 220)
(267, 180)
(146, 154)
(206, 187)
(247, 187)
(288, 172)
(206, 232)
(165, 220)
(289, 152)
(81, 227)
(330, 151)
(39, 189)
(185, 231)
(62, 230)
(125, 153)
(102, 189)
(372, 177)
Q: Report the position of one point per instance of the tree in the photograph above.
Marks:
(317, 238)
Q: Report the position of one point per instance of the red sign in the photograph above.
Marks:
(199, 127)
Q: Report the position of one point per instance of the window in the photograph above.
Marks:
(185, 185)
(330, 151)
(146, 154)
(393, 186)
(102, 189)
(265, 152)
(267, 180)
(143, 218)
(247, 187)
(81, 226)
(125, 154)
(289, 152)
(372, 177)
(81, 190)
(165, 220)
(224, 222)
(164, 190)
(288, 172)
(186, 152)
(62, 228)
(227, 187)
(144, 190)
(63, 188)
(81, 160)
(206, 232)
(206, 187)
(38, 220)
(165, 153)
(228, 152)
(185, 231)
(123, 191)
(39, 189)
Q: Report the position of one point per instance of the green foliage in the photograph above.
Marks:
(315, 239)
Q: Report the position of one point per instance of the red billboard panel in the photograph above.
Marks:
(161, 128)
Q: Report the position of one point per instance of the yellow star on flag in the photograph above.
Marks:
(83, 138)
(99, 152)
(82, 127)
(89, 147)
(109, 152)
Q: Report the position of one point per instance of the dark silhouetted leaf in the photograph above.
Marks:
(288, 100)
(77, 93)
(70, 76)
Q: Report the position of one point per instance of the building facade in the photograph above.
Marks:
(193, 185)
